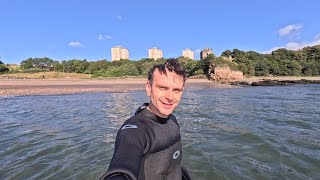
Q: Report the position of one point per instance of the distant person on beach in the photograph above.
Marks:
(148, 145)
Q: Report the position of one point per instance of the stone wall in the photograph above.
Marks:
(225, 74)
(204, 53)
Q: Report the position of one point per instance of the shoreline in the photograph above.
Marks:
(280, 78)
(29, 87)
(54, 86)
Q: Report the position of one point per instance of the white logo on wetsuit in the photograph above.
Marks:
(176, 154)
(129, 126)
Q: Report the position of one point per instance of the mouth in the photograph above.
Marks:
(167, 105)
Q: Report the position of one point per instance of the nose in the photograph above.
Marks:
(169, 95)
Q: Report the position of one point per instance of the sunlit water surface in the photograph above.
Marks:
(238, 133)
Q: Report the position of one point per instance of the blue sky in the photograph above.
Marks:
(87, 29)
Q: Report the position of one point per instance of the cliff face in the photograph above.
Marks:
(225, 74)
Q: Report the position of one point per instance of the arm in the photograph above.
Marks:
(129, 150)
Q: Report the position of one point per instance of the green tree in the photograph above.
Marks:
(58, 67)
(140, 64)
(3, 68)
(97, 66)
(219, 61)
(120, 62)
(146, 66)
(252, 55)
(204, 64)
(290, 68)
(81, 66)
(274, 67)
(262, 68)
(226, 53)
(284, 54)
(188, 64)
(27, 64)
(190, 67)
(310, 69)
(312, 53)
(43, 63)
(237, 54)
(68, 66)
(120, 71)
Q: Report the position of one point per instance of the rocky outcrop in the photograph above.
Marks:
(269, 82)
(240, 83)
(284, 82)
(225, 74)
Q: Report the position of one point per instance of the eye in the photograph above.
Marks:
(177, 90)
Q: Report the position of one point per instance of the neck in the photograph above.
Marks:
(155, 111)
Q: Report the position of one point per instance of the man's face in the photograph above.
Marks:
(165, 92)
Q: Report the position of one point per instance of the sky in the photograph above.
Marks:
(88, 29)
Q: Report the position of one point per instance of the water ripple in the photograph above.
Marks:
(241, 133)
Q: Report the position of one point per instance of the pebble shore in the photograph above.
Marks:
(53, 86)
(27, 87)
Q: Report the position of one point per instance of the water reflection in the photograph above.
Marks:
(118, 107)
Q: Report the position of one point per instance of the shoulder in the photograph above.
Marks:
(135, 122)
(135, 127)
(174, 119)
(134, 131)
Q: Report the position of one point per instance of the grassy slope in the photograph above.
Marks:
(39, 75)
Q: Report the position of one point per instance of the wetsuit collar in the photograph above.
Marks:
(154, 117)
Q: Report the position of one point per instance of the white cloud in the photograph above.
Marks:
(297, 45)
(119, 18)
(102, 37)
(75, 44)
(108, 37)
(289, 29)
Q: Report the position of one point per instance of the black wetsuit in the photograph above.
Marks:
(147, 147)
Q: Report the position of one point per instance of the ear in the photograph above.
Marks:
(148, 88)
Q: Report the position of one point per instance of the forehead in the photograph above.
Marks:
(171, 78)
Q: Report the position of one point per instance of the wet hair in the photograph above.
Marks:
(171, 65)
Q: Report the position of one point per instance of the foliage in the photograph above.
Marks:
(220, 62)
(281, 62)
(97, 66)
(3, 68)
(226, 53)
(140, 65)
(77, 66)
(198, 72)
(119, 71)
(44, 63)
(34, 70)
(189, 65)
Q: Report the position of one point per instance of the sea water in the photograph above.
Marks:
(234, 133)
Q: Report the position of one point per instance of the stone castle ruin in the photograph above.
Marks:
(224, 74)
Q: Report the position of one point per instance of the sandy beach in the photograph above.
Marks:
(25, 87)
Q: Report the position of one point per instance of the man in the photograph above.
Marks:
(148, 145)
